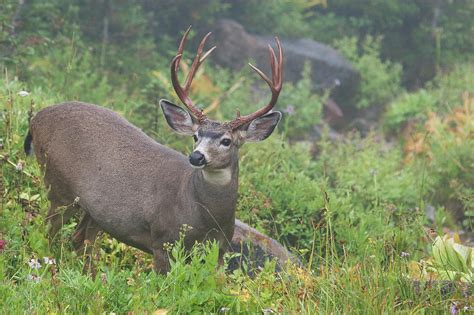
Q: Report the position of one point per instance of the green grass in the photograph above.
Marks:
(348, 213)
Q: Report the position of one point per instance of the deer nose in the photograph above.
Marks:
(197, 159)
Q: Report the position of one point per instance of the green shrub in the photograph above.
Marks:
(362, 190)
(380, 80)
(374, 195)
(449, 150)
(449, 87)
(302, 109)
(409, 106)
(276, 194)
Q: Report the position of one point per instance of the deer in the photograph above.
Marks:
(138, 191)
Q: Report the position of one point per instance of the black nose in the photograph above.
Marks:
(197, 158)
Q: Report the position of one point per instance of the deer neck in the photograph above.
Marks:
(216, 190)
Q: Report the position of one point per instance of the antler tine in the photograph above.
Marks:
(197, 61)
(181, 47)
(182, 92)
(275, 85)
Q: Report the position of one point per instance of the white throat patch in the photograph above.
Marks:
(218, 177)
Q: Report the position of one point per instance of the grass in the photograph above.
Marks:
(349, 214)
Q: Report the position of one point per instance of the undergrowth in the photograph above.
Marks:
(351, 211)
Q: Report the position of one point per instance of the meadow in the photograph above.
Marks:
(361, 212)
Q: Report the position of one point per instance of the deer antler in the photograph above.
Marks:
(183, 92)
(275, 85)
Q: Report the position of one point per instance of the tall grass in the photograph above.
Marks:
(348, 214)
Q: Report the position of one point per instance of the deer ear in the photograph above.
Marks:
(261, 128)
(178, 119)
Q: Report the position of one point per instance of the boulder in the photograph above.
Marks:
(329, 70)
(254, 248)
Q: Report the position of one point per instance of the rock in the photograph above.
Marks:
(255, 248)
(329, 70)
(430, 212)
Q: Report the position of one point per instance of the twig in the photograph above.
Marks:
(5, 158)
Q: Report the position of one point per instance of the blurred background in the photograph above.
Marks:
(374, 156)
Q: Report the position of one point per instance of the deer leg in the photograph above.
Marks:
(56, 217)
(161, 261)
(80, 234)
(83, 241)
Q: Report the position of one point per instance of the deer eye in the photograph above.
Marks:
(195, 138)
(225, 142)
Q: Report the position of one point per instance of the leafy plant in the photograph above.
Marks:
(408, 107)
(380, 80)
(445, 143)
(452, 260)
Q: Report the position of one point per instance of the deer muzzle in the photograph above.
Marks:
(197, 159)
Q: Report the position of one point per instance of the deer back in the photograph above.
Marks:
(122, 177)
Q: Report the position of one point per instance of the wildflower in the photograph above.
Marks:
(23, 93)
(454, 309)
(2, 245)
(224, 310)
(33, 278)
(49, 261)
(268, 311)
(404, 254)
(76, 201)
(185, 228)
(34, 263)
(103, 278)
(290, 110)
(19, 165)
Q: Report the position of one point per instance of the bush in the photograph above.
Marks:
(444, 145)
(380, 80)
(409, 107)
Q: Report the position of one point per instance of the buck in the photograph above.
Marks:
(137, 190)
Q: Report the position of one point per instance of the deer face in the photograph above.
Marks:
(217, 144)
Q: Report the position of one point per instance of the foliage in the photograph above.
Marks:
(446, 142)
(423, 36)
(441, 95)
(302, 108)
(449, 87)
(380, 80)
(409, 107)
(452, 260)
(351, 210)
(285, 18)
(196, 282)
(349, 213)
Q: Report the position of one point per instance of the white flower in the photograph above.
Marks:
(34, 263)
(33, 278)
(290, 110)
(49, 261)
(19, 165)
(404, 254)
(76, 201)
(23, 93)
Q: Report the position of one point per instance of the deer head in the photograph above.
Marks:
(217, 143)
